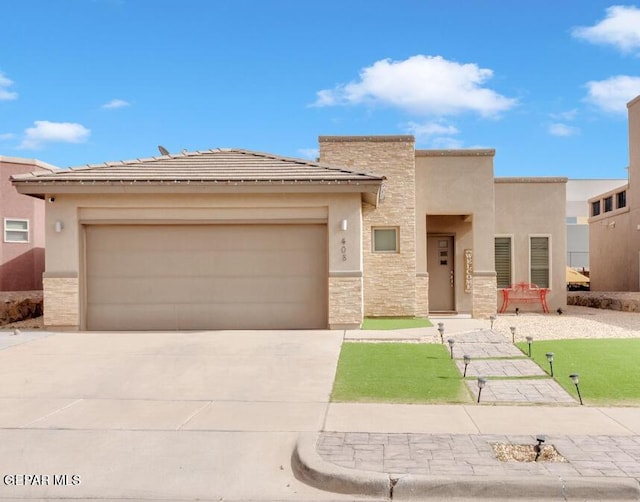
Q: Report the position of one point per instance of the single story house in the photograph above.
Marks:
(230, 239)
(614, 224)
(22, 217)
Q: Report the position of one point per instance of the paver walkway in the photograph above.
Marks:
(473, 454)
(511, 376)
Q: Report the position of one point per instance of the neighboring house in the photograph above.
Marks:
(22, 218)
(236, 239)
(614, 224)
(578, 194)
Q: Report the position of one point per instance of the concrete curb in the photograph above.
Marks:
(415, 487)
(309, 467)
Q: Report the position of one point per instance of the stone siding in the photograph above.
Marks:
(484, 295)
(61, 302)
(389, 278)
(623, 301)
(345, 302)
(422, 295)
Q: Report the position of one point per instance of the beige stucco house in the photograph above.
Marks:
(614, 224)
(236, 239)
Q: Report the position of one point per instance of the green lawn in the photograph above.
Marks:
(395, 322)
(609, 369)
(397, 373)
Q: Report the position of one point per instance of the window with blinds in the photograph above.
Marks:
(503, 261)
(539, 256)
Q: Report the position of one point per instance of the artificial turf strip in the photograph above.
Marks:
(397, 373)
(608, 368)
(384, 323)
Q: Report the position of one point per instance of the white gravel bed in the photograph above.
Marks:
(575, 322)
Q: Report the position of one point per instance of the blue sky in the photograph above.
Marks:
(543, 82)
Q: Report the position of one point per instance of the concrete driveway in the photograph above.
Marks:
(164, 416)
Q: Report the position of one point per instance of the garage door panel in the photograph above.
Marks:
(206, 277)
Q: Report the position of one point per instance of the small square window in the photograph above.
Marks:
(16, 230)
(608, 204)
(621, 199)
(385, 240)
(595, 208)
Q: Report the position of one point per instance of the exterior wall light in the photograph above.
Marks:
(441, 331)
(343, 225)
(58, 225)
(492, 318)
(529, 342)
(550, 359)
(575, 378)
(467, 360)
(481, 383)
(513, 334)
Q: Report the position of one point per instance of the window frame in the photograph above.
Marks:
(607, 203)
(26, 231)
(621, 195)
(549, 260)
(511, 257)
(388, 251)
(596, 208)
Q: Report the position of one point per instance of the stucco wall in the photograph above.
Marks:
(528, 207)
(455, 195)
(21, 264)
(64, 253)
(389, 278)
(614, 238)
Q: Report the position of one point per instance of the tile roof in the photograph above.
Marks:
(217, 165)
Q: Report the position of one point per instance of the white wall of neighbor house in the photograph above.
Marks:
(68, 213)
(529, 208)
(455, 195)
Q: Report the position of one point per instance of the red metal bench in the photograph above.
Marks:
(523, 292)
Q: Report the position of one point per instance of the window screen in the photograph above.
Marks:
(540, 261)
(503, 261)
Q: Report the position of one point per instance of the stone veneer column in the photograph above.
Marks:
(61, 301)
(484, 295)
(389, 278)
(345, 311)
(422, 295)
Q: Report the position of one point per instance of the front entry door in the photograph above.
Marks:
(440, 265)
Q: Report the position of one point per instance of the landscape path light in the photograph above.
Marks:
(441, 331)
(513, 334)
(467, 360)
(529, 342)
(451, 341)
(550, 359)
(481, 383)
(575, 378)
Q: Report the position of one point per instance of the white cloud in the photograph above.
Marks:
(562, 130)
(6, 95)
(116, 103)
(620, 28)
(613, 94)
(568, 115)
(6, 136)
(426, 85)
(430, 129)
(309, 153)
(53, 132)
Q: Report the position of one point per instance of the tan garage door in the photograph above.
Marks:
(172, 277)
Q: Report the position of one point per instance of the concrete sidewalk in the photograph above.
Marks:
(449, 452)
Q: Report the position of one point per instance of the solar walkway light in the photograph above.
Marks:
(575, 378)
(513, 334)
(451, 341)
(529, 342)
(467, 360)
(550, 359)
(481, 383)
(441, 331)
(492, 318)
(538, 448)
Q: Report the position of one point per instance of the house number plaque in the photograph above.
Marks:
(468, 270)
